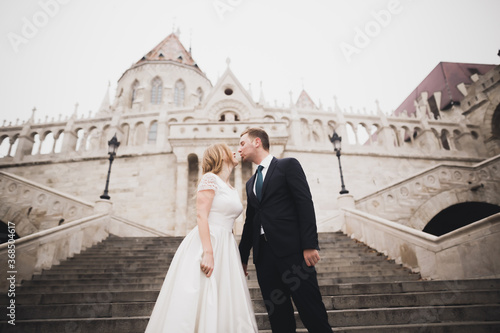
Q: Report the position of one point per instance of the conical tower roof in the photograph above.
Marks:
(170, 49)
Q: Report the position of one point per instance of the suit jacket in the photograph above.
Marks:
(286, 212)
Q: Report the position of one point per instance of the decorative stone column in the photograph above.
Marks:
(181, 196)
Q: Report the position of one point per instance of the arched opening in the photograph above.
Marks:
(153, 131)
(495, 123)
(156, 90)
(4, 146)
(179, 92)
(458, 216)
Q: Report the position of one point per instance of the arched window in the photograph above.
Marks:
(135, 87)
(36, 144)
(153, 130)
(126, 133)
(139, 134)
(444, 139)
(13, 148)
(156, 90)
(59, 142)
(79, 134)
(4, 146)
(179, 91)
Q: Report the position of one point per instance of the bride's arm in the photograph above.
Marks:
(204, 201)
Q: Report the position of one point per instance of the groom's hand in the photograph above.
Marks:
(245, 269)
(311, 257)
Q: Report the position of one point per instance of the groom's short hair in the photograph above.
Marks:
(258, 133)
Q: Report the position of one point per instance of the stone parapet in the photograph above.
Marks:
(469, 252)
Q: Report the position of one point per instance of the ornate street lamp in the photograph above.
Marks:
(336, 140)
(113, 145)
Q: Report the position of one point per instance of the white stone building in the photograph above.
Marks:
(440, 149)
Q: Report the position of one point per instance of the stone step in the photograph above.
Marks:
(109, 305)
(341, 319)
(163, 266)
(112, 287)
(457, 286)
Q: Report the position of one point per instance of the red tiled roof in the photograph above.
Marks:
(170, 49)
(445, 77)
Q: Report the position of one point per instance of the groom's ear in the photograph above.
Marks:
(258, 142)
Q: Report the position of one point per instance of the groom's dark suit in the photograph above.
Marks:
(286, 213)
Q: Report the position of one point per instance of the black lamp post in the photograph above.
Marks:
(113, 145)
(336, 140)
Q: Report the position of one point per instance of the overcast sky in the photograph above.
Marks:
(55, 53)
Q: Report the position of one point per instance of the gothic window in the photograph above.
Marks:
(156, 91)
(153, 130)
(135, 87)
(179, 91)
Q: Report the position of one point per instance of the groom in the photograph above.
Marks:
(280, 225)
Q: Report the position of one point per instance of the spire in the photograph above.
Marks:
(305, 102)
(105, 101)
(170, 49)
(262, 100)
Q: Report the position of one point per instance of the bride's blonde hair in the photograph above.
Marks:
(214, 157)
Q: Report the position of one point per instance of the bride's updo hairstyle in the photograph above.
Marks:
(214, 157)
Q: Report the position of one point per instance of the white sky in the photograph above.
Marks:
(288, 44)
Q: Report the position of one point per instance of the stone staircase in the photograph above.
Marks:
(112, 287)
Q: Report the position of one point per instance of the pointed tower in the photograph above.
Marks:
(167, 77)
(305, 102)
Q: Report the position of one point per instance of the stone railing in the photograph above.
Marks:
(40, 251)
(468, 252)
(433, 190)
(34, 207)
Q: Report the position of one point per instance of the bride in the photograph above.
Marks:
(205, 290)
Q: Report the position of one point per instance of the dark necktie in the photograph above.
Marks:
(259, 182)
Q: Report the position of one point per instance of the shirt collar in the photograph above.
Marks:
(266, 161)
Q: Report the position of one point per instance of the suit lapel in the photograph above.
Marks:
(269, 174)
(250, 193)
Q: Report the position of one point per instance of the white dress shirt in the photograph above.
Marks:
(265, 163)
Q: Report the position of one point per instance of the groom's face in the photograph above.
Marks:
(247, 148)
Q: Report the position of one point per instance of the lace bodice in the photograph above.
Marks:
(226, 206)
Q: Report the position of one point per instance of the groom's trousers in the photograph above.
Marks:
(289, 277)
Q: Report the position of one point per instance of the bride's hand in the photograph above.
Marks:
(207, 263)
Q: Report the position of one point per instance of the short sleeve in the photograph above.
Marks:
(208, 182)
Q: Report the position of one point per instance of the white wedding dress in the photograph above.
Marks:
(191, 302)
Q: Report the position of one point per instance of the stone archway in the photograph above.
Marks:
(458, 216)
(436, 204)
(491, 129)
